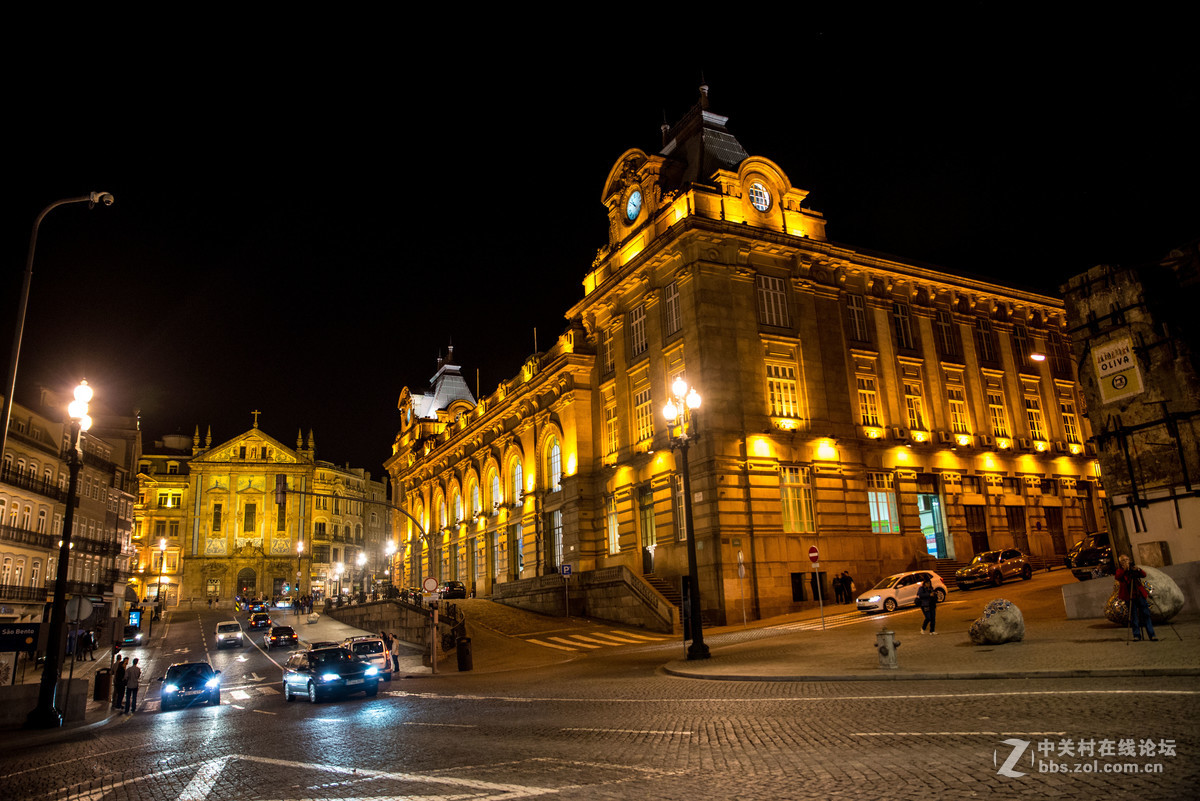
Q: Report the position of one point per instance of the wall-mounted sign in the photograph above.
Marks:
(1117, 372)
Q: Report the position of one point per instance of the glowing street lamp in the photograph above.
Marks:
(361, 561)
(681, 431)
(338, 570)
(299, 565)
(46, 714)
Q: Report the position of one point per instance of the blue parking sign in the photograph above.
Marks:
(566, 570)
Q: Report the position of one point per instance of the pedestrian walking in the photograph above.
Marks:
(927, 599)
(1131, 590)
(133, 675)
(837, 588)
(848, 587)
(119, 682)
(395, 649)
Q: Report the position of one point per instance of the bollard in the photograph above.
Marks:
(886, 643)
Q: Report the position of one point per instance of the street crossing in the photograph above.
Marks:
(593, 640)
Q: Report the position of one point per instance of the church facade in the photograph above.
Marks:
(211, 522)
(888, 413)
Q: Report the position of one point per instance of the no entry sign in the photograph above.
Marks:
(813, 555)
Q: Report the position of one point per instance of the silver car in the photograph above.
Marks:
(993, 567)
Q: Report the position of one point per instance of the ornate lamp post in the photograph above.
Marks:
(390, 551)
(361, 561)
(338, 570)
(681, 430)
(46, 714)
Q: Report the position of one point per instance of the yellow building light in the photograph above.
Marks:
(872, 432)
(963, 439)
(1076, 449)
(761, 446)
(1003, 443)
(989, 463)
(786, 424)
(570, 464)
(919, 436)
(1039, 446)
(827, 450)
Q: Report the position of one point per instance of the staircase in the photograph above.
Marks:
(946, 568)
(665, 588)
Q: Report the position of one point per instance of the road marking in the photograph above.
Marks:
(958, 734)
(644, 637)
(550, 645)
(444, 725)
(262, 711)
(267, 691)
(565, 641)
(634, 731)
(240, 695)
(598, 642)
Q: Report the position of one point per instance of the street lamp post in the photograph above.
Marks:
(162, 563)
(46, 714)
(92, 199)
(361, 561)
(681, 430)
(338, 570)
(299, 567)
(390, 551)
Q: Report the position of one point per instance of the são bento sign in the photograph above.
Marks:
(1117, 372)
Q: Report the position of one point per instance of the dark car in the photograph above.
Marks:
(1091, 557)
(132, 636)
(313, 646)
(411, 594)
(259, 606)
(453, 589)
(188, 683)
(281, 636)
(993, 567)
(260, 620)
(328, 671)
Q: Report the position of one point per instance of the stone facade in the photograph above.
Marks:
(883, 411)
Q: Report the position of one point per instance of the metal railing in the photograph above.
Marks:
(13, 592)
(27, 480)
(24, 536)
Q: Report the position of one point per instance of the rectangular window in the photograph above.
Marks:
(1033, 411)
(947, 336)
(672, 314)
(610, 524)
(319, 530)
(1021, 347)
(680, 511)
(173, 529)
(643, 415)
(160, 528)
(248, 522)
(796, 495)
(1070, 422)
(637, 331)
(985, 340)
(902, 319)
(881, 497)
(997, 412)
(856, 311)
(1060, 361)
(611, 436)
(781, 390)
(216, 518)
(913, 405)
(772, 301)
(868, 401)
(606, 352)
(958, 411)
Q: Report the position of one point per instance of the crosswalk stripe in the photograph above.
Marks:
(644, 637)
(241, 695)
(617, 639)
(592, 639)
(573, 642)
(551, 645)
(268, 691)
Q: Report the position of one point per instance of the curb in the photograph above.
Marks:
(973, 676)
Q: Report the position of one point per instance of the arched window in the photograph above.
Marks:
(518, 480)
(441, 513)
(35, 572)
(553, 464)
(496, 498)
(456, 506)
(472, 498)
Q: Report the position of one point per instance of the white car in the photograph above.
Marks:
(371, 649)
(229, 632)
(899, 590)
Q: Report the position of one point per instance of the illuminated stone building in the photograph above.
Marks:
(210, 524)
(886, 412)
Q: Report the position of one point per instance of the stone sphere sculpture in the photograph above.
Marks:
(1165, 598)
(1001, 622)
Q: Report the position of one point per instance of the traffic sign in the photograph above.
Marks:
(430, 584)
(813, 554)
(566, 571)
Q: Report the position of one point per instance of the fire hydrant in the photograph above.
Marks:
(886, 643)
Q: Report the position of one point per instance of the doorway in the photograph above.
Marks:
(246, 583)
(977, 527)
(933, 526)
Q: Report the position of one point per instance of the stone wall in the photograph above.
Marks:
(611, 593)
(17, 701)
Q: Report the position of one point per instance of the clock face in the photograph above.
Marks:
(633, 205)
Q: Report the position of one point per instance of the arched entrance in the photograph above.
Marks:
(246, 584)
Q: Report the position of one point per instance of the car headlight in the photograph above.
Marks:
(137, 638)
(372, 671)
(213, 683)
(170, 688)
(330, 677)
(874, 599)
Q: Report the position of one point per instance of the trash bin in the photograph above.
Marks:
(103, 687)
(463, 648)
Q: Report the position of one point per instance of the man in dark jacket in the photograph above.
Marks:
(927, 599)
(119, 683)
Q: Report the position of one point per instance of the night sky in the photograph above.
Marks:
(302, 227)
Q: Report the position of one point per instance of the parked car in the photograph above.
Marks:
(993, 567)
(229, 632)
(188, 683)
(452, 589)
(899, 590)
(328, 671)
(371, 649)
(1091, 557)
(318, 644)
(281, 636)
(132, 636)
(260, 620)
(411, 594)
